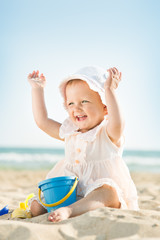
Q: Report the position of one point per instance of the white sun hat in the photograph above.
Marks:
(94, 76)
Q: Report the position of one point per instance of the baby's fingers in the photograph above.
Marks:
(37, 74)
(42, 76)
(120, 76)
(33, 74)
(29, 75)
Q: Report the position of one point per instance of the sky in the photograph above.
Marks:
(59, 37)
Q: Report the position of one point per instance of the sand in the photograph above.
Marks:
(100, 224)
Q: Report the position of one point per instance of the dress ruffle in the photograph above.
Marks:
(68, 128)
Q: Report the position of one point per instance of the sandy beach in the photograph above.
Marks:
(103, 223)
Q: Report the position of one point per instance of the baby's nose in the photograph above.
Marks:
(77, 106)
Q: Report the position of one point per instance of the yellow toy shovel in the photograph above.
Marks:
(23, 210)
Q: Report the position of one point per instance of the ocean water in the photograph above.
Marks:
(46, 158)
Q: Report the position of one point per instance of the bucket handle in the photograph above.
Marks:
(63, 199)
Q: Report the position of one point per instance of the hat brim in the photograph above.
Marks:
(95, 86)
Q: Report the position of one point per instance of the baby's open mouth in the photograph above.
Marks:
(81, 118)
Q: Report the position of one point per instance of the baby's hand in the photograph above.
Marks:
(113, 79)
(36, 81)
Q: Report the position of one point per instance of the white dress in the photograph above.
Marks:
(95, 160)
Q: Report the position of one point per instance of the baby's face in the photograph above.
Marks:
(84, 106)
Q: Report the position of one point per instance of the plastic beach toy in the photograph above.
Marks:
(58, 191)
(4, 210)
(23, 210)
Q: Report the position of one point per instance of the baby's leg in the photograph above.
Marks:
(105, 196)
(37, 209)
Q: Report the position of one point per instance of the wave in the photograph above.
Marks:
(38, 158)
(142, 161)
(29, 158)
(26, 157)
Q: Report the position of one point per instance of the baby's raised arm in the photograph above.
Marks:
(40, 114)
(115, 124)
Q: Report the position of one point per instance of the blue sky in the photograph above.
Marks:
(58, 38)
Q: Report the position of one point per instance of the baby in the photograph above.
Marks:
(94, 140)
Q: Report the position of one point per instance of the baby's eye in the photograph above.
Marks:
(71, 103)
(84, 101)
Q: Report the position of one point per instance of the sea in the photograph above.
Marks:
(45, 158)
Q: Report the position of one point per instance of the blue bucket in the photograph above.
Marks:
(58, 192)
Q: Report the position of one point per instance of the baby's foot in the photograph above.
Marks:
(60, 214)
